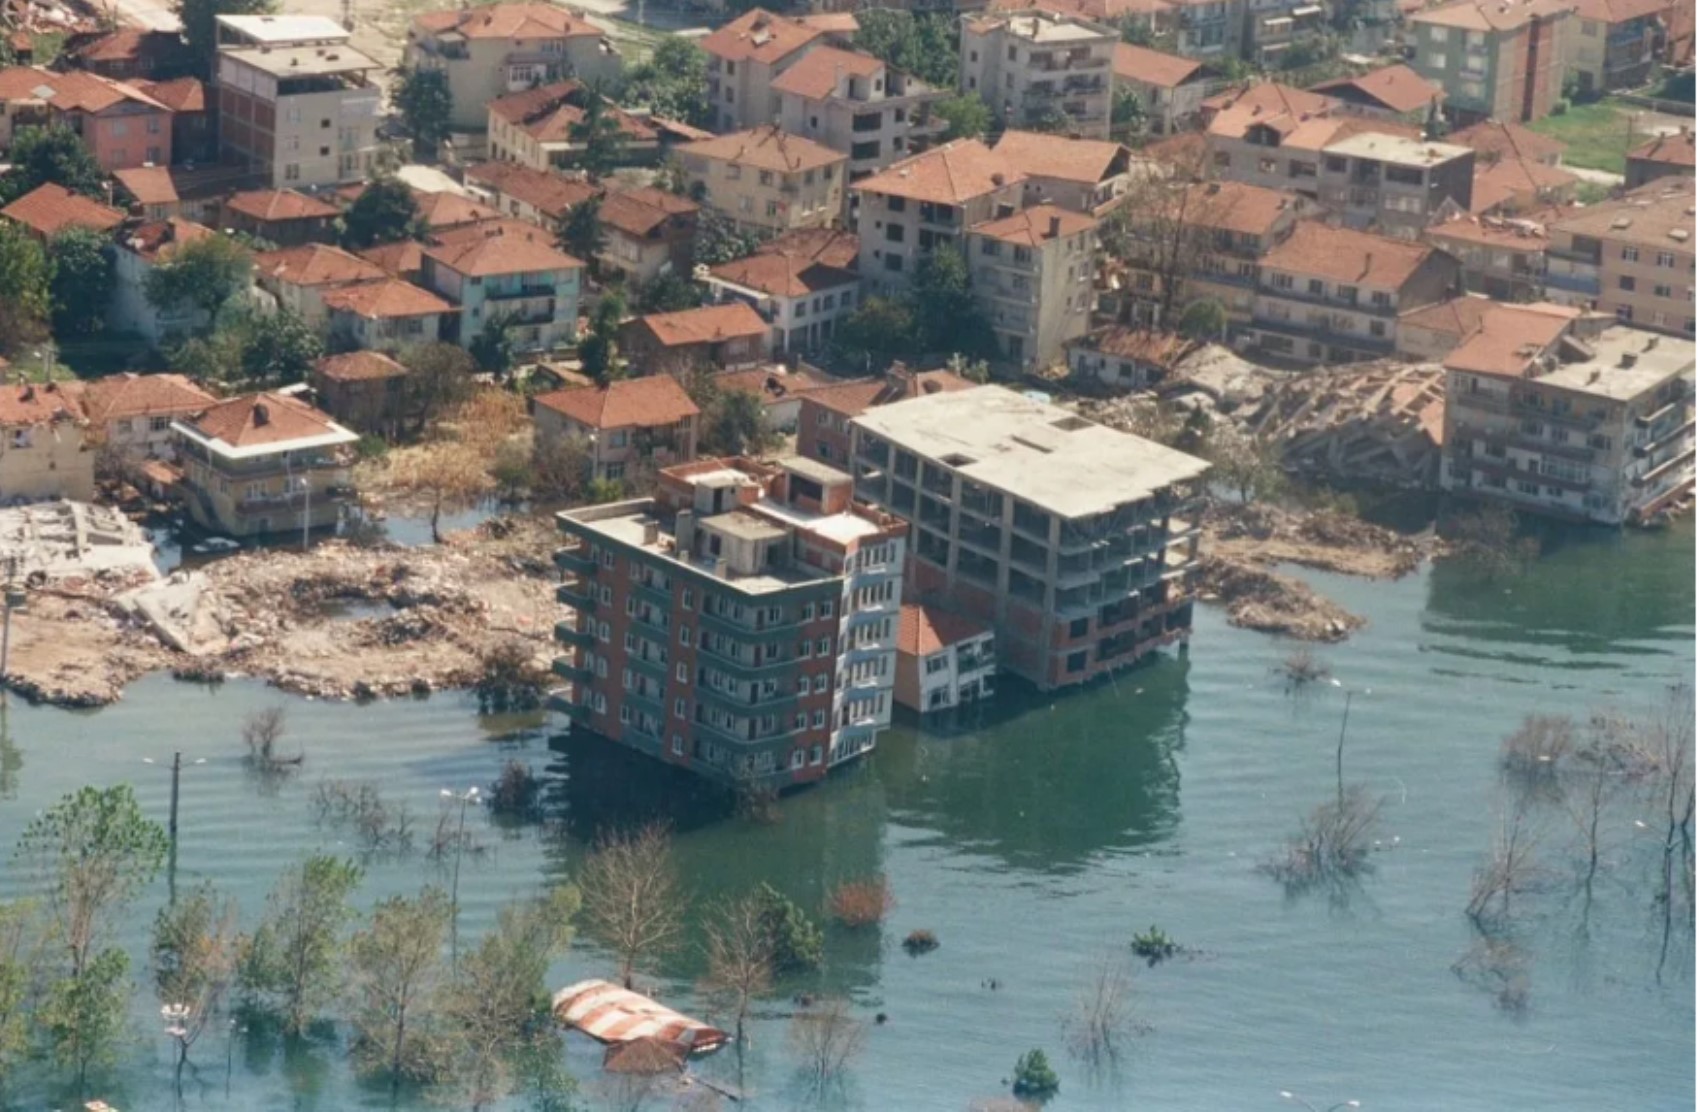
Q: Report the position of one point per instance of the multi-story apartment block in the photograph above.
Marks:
(299, 277)
(824, 415)
(1032, 273)
(741, 624)
(122, 126)
(489, 51)
(1075, 543)
(801, 298)
(728, 335)
(1171, 89)
(1663, 156)
(1274, 27)
(744, 58)
(646, 233)
(1632, 257)
(296, 102)
(1089, 176)
(48, 453)
(630, 427)
(767, 180)
(1333, 295)
(1394, 185)
(506, 271)
(1496, 59)
(1395, 92)
(1273, 135)
(1616, 43)
(386, 315)
(910, 208)
(1127, 358)
(855, 103)
(1598, 429)
(1210, 29)
(1036, 67)
(944, 661)
(1502, 258)
(537, 128)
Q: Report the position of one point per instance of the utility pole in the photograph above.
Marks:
(463, 798)
(176, 776)
(14, 600)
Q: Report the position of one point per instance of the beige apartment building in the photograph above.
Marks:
(1497, 60)
(1632, 257)
(1273, 135)
(933, 198)
(1170, 88)
(1394, 185)
(490, 51)
(1212, 30)
(44, 447)
(1615, 43)
(1501, 258)
(768, 180)
(1032, 274)
(537, 128)
(855, 103)
(745, 56)
(629, 427)
(1037, 67)
(1594, 429)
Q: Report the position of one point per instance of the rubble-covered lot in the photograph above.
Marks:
(338, 621)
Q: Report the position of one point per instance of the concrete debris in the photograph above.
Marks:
(1229, 381)
(1272, 603)
(75, 545)
(1380, 423)
(1269, 535)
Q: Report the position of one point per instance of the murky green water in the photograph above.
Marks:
(1035, 843)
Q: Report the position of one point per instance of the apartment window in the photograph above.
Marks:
(1317, 287)
(772, 208)
(324, 123)
(894, 263)
(814, 755)
(626, 679)
(894, 233)
(1625, 314)
(600, 702)
(797, 757)
(678, 708)
(733, 173)
(894, 204)
(684, 635)
(1378, 328)
(1267, 166)
(823, 647)
(820, 719)
(1381, 299)
(1625, 282)
(1435, 34)
(1666, 259)
(291, 171)
(153, 125)
(820, 683)
(681, 673)
(1076, 662)
(678, 745)
(1631, 254)
(765, 177)
(1282, 281)
(1661, 291)
(826, 609)
(625, 714)
(1591, 28)
(602, 633)
(1023, 254)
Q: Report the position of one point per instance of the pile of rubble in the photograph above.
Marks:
(1380, 423)
(1272, 603)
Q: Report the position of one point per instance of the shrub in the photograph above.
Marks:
(920, 942)
(862, 903)
(509, 680)
(797, 942)
(1034, 1076)
(517, 791)
(1303, 667)
(1155, 946)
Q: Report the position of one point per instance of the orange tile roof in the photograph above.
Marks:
(279, 204)
(399, 259)
(1645, 216)
(32, 404)
(450, 210)
(707, 325)
(160, 239)
(548, 114)
(1399, 88)
(1187, 152)
(49, 209)
(126, 44)
(923, 630)
(638, 212)
(766, 148)
(81, 91)
(266, 418)
(1511, 179)
(832, 23)
(549, 193)
(1040, 155)
(507, 21)
(1315, 134)
(1621, 11)
(956, 172)
(1232, 206)
(1153, 67)
(499, 247)
(180, 94)
(783, 275)
(1459, 316)
(1526, 232)
(359, 366)
(149, 185)
(385, 298)
(758, 36)
(832, 247)
(1492, 139)
(857, 396)
(315, 264)
(1509, 338)
(816, 75)
(26, 83)
(1160, 348)
(649, 402)
(131, 395)
(771, 384)
(1033, 227)
(1343, 255)
(1269, 103)
(1492, 15)
(1671, 150)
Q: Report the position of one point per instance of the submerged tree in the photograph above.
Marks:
(826, 1038)
(632, 899)
(194, 954)
(740, 959)
(293, 962)
(1332, 846)
(396, 970)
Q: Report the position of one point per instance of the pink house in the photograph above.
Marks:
(122, 126)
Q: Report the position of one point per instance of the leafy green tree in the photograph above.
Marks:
(599, 131)
(1203, 320)
(579, 232)
(493, 348)
(82, 280)
(880, 330)
(670, 293)
(194, 960)
(21, 956)
(200, 25)
(596, 352)
(798, 944)
(92, 853)
(25, 297)
(1034, 1076)
(422, 97)
(719, 240)
(396, 970)
(673, 83)
(205, 274)
(734, 423)
(966, 117)
(924, 45)
(292, 963)
(278, 348)
(385, 212)
(439, 375)
(51, 154)
(947, 315)
(1127, 114)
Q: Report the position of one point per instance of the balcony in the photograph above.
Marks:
(1325, 301)
(568, 633)
(576, 595)
(568, 668)
(561, 701)
(575, 559)
(1573, 283)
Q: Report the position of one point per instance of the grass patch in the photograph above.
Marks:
(1597, 136)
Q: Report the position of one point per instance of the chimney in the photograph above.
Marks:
(1055, 229)
(262, 414)
(651, 532)
(684, 534)
(1629, 360)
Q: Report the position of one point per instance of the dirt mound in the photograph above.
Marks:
(1272, 603)
(1264, 534)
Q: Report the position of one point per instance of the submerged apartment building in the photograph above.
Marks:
(1075, 543)
(741, 624)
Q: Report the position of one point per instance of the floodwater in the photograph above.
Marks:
(1035, 841)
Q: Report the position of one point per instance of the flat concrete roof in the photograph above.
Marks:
(275, 29)
(625, 522)
(303, 61)
(1055, 29)
(822, 473)
(1041, 453)
(840, 527)
(1604, 376)
(743, 523)
(1395, 149)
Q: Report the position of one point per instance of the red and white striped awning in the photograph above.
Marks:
(611, 1014)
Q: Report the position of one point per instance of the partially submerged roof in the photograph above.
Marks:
(706, 325)
(766, 148)
(611, 1014)
(262, 424)
(956, 172)
(1396, 88)
(1344, 255)
(923, 630)
(49, 209)
(1042, 155)
(1047, 456)
(653, 401)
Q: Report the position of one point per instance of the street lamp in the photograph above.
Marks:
(470, 795)
(1296, 1099)
(176, 1017)
(1340, 746)
(171, 828)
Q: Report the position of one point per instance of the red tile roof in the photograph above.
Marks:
(1153, 67)
(766, 148)
(707, 325)
(160, 239)
(1492, 15)
(131, 395)
(450, 210)
(359, 366)
(771, 384)
(817, 74)
(279, 204)
(1159, 348)
(1268, 103)
(1232, 206)
(1343, 255)
(1491, 139)
(758, 36)
(384, 299)
(149, 185)
(549, 193)
(1509, 338)
(638, 212)
(49, 209)
(858, 396)
(826, 246)
(180, 94)
(952, 174)
(399, 259)
(507, 21)
(26, 83)
(1035, 226)
(1513, 179)
(256, 419)
(783, 275)
(1620, 11)
(1398, 88)
(499, 247)
(1040, 155)
(1671, 150)
(923, 630)
(33, 404)
(548, 114)
(81, 91)
(315, 264)
(649, 402)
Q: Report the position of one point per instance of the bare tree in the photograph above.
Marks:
(194, 958)
(1102, 1017)
(1510, 870)
(740, 960)
(1667, 742)
(1499, 966)
(632, 898)
(826, 1038)
(1165, 231)
(1332, 845)
(1532, 754)
(1593, 777)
